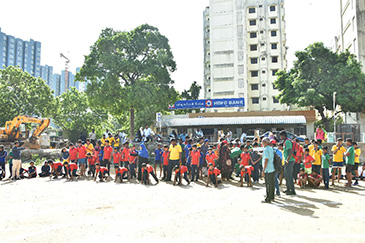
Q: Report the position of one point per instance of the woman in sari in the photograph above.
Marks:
(224, 162)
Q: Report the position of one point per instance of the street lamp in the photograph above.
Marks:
(334, 113)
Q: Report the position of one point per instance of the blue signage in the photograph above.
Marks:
(214, 103)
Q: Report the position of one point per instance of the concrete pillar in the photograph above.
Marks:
(310, 130)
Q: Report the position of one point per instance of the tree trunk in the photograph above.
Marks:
(131, 133)
(325, 120)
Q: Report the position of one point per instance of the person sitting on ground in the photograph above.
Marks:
(45, 170)
(302, 178)
(71, 170)
(120, 174)
(246, 172)
(22, 173)
(102, 172)
(56, 169)
(146, 171)
(213, 174)
(314, 179)
(32, 171)
(179, 171)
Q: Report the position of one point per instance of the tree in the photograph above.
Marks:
(129, 72)
(23, 94)
(317, 73)
(192, 93)
(74, 114)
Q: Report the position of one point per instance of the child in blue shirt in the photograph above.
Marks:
(201, 163)
(158, 155)
(101, 154)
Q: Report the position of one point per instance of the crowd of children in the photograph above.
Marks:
(193, 161)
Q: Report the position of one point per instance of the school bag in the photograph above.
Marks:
(295, 147)
(277, 163)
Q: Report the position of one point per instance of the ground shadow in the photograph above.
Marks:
(325, 202)
(300, 208)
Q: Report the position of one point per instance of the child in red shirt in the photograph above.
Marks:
(146, 171)
(120, 173)
(81, 157)
(92, 160)
(302, 178)
(116, 157)
(179, 171)
(108, 150)
(195, 159)
(308, 160)
(73, 153)
(133, 159)
(56, 168)
(101, 172)
(245, 156)
(213, 174)
(124, 153)
(210, 157)
(246, 172)
(71, 170)
(165, 161)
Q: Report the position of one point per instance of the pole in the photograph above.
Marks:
(334, 113)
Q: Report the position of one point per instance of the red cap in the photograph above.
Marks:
(225, 142)
(273, 141)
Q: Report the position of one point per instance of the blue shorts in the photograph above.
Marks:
(81, 161)
(157, 162)
(337, 165)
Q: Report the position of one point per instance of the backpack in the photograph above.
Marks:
(277, 163)
(295, 147)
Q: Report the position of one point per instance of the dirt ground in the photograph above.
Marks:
(44, 210)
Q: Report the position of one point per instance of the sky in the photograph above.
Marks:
(71, 27)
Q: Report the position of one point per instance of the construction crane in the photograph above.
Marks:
(67, 85)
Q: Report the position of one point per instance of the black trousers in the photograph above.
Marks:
(270, 185)
(172, 164)
(185, 177)
(141, 160)
(121, 176)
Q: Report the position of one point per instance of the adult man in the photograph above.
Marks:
(175, 157)
(92, 137)
(229, 135)
(350, 161)
(338, 153)
(106, 133)
(289, 163)
(269, 170)
(199, 133)
(147, 132)
(17, 163)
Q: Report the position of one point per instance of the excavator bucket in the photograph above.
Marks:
(31, 145)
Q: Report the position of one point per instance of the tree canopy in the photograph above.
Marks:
(129, 73)
(23, 94)
(74, 114)
(316, 74)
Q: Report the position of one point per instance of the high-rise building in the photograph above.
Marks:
(56, 84)
(47, 74)
(352, 31)
(244, 45)
(24, 54)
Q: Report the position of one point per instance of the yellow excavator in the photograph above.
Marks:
(12, 132)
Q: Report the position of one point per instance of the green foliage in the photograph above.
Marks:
(74, 114)
(191, 94)
(320, 122)
(23, 94)
(129, 73)
(317, 73)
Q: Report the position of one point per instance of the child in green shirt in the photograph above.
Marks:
(325, 167)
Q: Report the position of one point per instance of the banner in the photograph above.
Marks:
(214, 103)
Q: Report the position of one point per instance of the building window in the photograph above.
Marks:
(263, 71)
(273, 8)
(254, 73)
(253, 47)
(261, 32)
(275, 101)
(263, 59)
(255, 100)
(260, 6)
(254, 60)
(252, 10)
(273, 21)
(254, 87)
(274, 46)
(274, 59)
(274, 72)
(261, 19)
(253, 22)
(253, 34)
(264, 98)
(273, 33)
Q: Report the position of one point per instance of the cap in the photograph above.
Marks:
(273, 141)
(206, 140)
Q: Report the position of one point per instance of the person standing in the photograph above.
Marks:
(288, 163)
(320, 133)
(17, 163)
(338, 158)
(142, 159)
(147, 133)
(229, 135)
(350, 161)
(107, 155)
(357, 162)
(3, 157)
(175, 157)
(224, 161)
(268, 170)
(92, 137)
